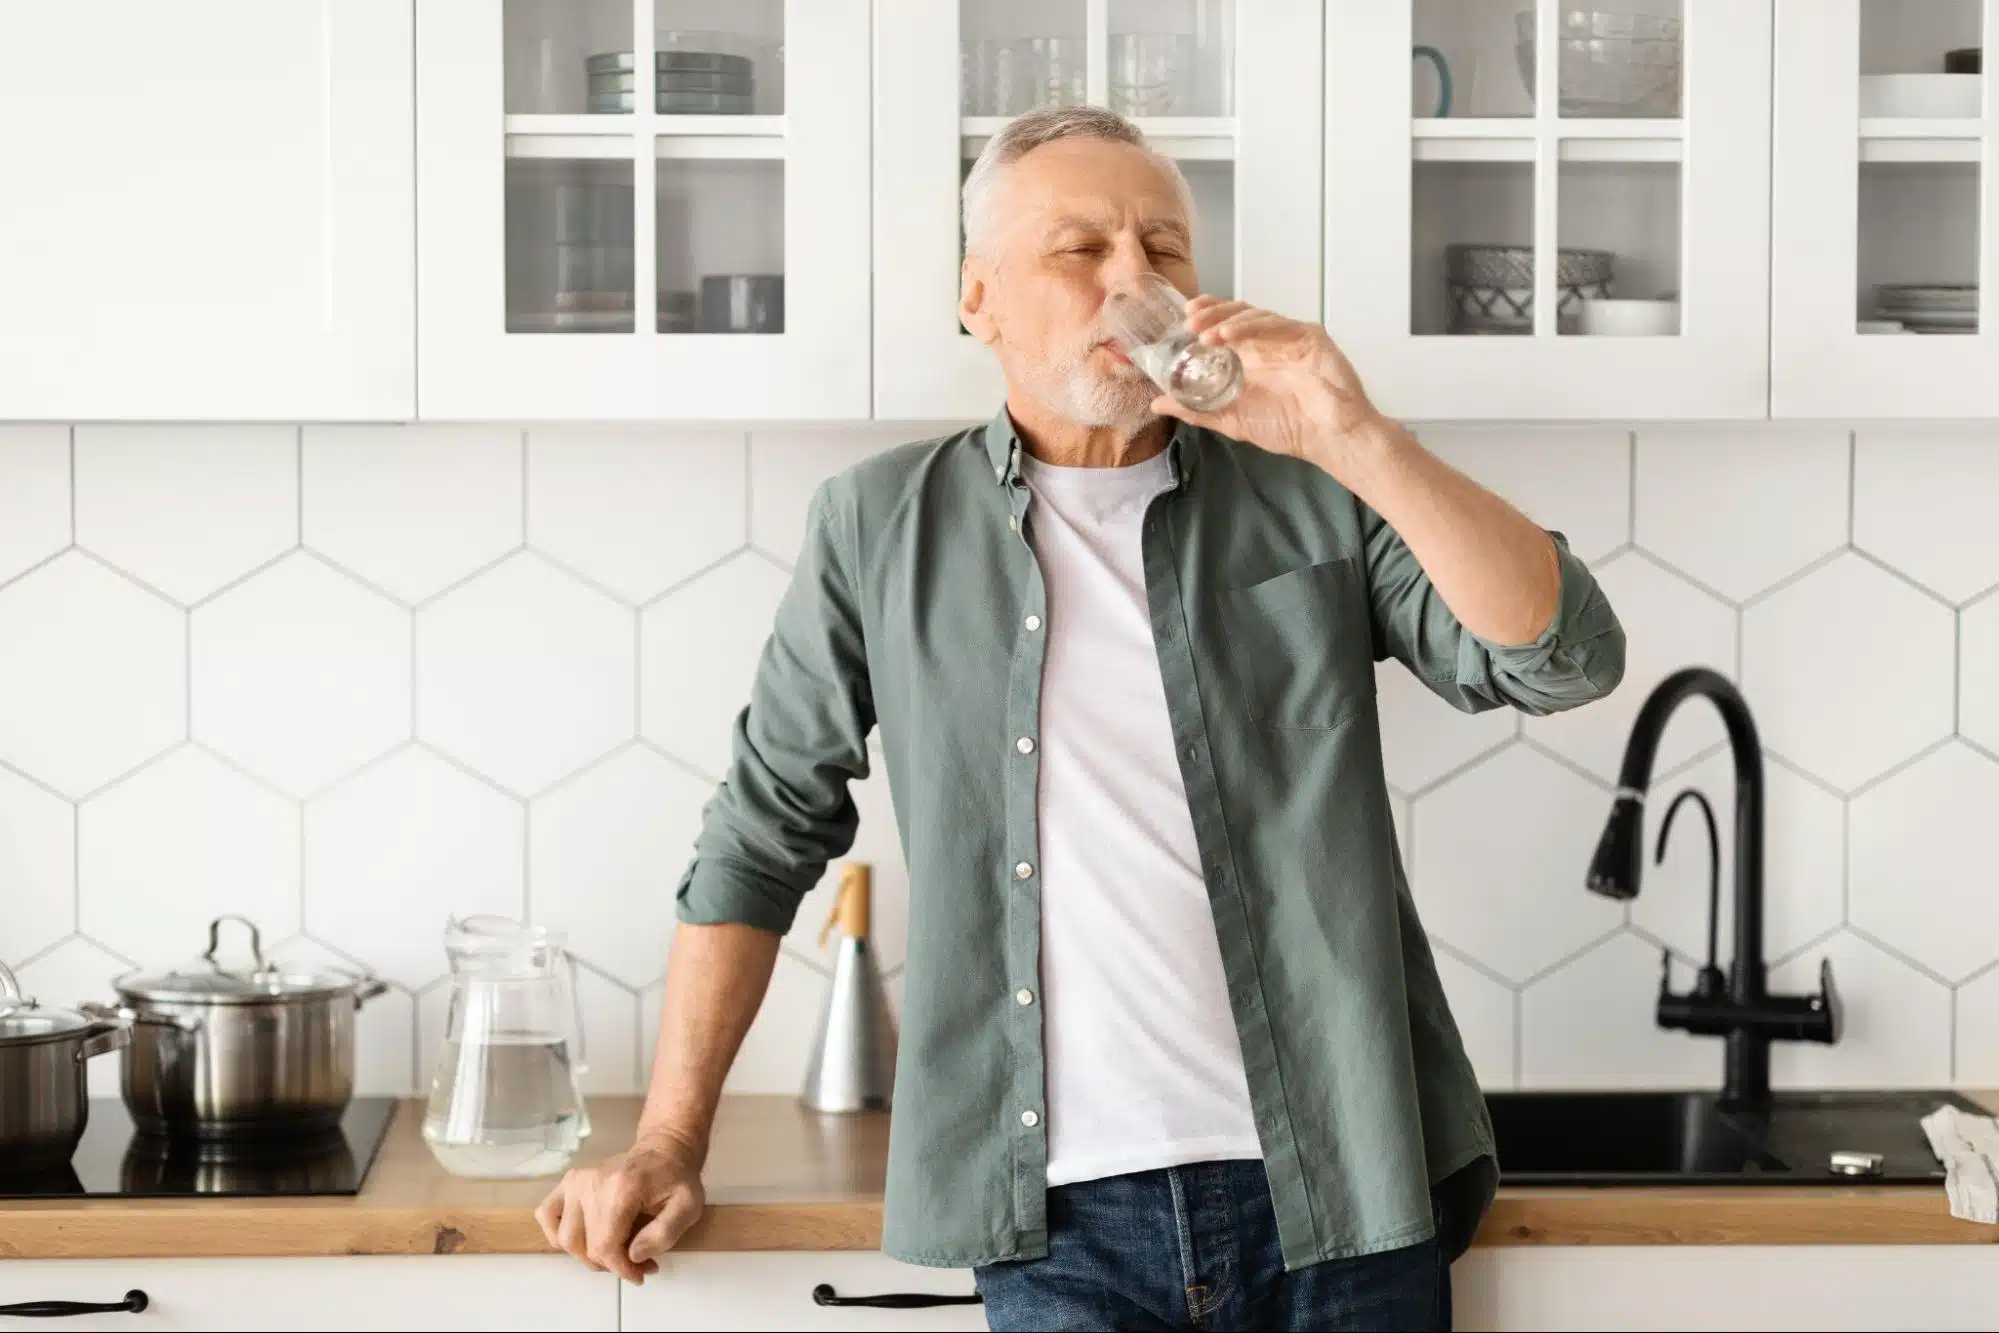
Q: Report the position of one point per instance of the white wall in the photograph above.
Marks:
(346, 680)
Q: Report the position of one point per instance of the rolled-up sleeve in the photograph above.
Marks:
(784, 809)
(1577, 658)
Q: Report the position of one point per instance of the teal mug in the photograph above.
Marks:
(1443, 68)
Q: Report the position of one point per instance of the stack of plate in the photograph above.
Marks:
(1929, 307)
(685, 83)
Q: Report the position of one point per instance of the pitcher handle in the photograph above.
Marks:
(576, 1012)
(215, 939)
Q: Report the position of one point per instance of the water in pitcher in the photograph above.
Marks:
(504, 1107)
(504, 1100)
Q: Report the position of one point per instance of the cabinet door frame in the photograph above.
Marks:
(471, 368)
(926, 369)
(343, 349)
(1718, 365)
(1820, 365)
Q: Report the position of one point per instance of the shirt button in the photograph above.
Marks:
(1025, 745)
(1023, 997)
(1023, 870)
(1033, 623)
(1191, 752)
(1030, 1119)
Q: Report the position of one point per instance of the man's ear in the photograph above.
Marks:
(973, 276)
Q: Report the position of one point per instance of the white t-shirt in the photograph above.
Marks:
(1144, 1069)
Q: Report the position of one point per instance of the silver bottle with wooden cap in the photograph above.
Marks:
(853, 1061)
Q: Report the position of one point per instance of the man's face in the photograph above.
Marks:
(1069, 222)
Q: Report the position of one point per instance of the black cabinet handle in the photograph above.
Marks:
(135, 1301)
(823, 1294)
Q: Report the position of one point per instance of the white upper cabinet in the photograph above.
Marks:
(676, 235)
(205, 210)
(1884, 211)
(1228, 88)
(1580, 236)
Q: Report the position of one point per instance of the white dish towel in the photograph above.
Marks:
(1968, 1147)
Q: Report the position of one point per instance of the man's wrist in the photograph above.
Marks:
(1362, 455)
(672, 1140)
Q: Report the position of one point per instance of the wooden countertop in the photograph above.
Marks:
(780, 1178)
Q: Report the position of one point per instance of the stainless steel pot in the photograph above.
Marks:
(219, 1054)
(44, 1096)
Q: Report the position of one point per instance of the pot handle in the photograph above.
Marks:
(127, 1016)
(215, 938)
(10, 986)
(103, 1043)
(367, 988)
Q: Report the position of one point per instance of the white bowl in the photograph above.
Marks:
(1617, 318)
(1929, 96)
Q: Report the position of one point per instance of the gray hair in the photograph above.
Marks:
(1025, 133)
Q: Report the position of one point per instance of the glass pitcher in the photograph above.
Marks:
(504, 1102)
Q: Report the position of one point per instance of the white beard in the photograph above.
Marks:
(1071, 389)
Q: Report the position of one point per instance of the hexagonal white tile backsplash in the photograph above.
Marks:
(349, 679)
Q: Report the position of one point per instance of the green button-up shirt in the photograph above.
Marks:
(917, 604)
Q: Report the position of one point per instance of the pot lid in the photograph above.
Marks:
(24, 1021)
(210, 980)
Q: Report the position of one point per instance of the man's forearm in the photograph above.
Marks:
(1494, 567)
(716, 977)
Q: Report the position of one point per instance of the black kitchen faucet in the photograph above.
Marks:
(1743, 1010)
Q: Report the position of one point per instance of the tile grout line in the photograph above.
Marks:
(298, 490)
(1519, 1006)
(1956, 672)
(1852, 480)
(525, 462)
(1953, 1036)
(75, 867)
(1631, 488)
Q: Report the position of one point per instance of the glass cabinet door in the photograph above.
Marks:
(1883, 213)
(641, 208)
(1581, 235)
(950, 73)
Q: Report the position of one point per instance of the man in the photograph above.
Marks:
(1174, 1052)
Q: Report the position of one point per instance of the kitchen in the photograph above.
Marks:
(368, 558)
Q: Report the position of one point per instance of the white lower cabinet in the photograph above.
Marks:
(373, 1292)
(1729, 1286)
(774, 1290)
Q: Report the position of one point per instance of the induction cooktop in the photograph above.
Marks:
(114, 1160)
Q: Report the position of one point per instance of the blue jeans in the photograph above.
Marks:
(1195, 1247)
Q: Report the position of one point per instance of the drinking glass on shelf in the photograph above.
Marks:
(1005, 78)
(1056, 74)
(1150, 73)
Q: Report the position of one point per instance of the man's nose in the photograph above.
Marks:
(1127, 260)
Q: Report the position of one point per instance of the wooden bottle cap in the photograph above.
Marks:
(852, 906)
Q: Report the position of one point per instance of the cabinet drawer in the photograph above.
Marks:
(459, 1292)
(731, 1291)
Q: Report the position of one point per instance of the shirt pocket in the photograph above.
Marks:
(1300, 645)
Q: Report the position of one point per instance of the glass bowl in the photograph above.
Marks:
(1611, 64)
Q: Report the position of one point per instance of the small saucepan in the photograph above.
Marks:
(225, 1054)
(44, 1097)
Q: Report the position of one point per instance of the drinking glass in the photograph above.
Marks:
(1148, 318)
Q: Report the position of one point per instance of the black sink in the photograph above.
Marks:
(1686, 1138)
